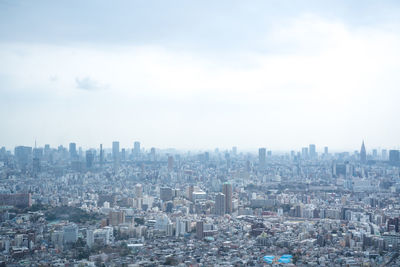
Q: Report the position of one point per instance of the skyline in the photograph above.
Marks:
(319, 149)
(195, 76)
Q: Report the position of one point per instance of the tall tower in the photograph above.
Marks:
(115, 151)
(363, 153)
(261, 157)
(227, 191)
(136, 148)
(72, 151)
(312, 150)
(220, 204)
(101, 155)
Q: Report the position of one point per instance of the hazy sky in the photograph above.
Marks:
(200, 74)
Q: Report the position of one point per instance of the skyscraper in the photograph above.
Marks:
(115, 151)
(23, 154)
(313, 153)
(363, 153)
(199, 229)
(326, 151)
(170, 163)
(136, 149)
(220, 204)
(227, 191)
(138, 191)
(89, 159)
(261, 157)
(101, 155)
(72, 151)
(384, 154)
(153, 154)
(394, 156)
(304, 152)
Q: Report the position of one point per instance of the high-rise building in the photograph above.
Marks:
(101, 155)
(313, 152)
(363, 153)
(153, 154)
(138, 191)
(234, 151)
(123, 155)
(220, 204)
(23, 154)
(394, 156)
(261, 157)
(326, 151)
(136, 149)
(227, 191)
(384, 154)
(70, 233)
(89, 159)
(200, 229)
(166, 193)
(115, 151)
(116, 217)
(170, 163)
(190, 192)
(72, 151)
(16, 200)
(89, 237)
(374, 153)
(304, 152)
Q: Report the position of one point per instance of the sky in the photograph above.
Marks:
(200, 74)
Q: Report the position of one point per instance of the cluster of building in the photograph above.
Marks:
(137, 207)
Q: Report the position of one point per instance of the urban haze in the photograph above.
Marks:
(199, 133)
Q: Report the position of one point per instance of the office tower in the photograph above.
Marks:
(23, 154)
(17, 200)
(101, 155)
(220, 204)
(326, 150)
(36, 165)
(138, 191)
(384, 154)
(89, 159)
(227, 191)
(38, 153)
(115, 151)
(374, 153)
(234, 151)
(116, 217)
(363, 153)
(89, 237)
(123, 155)
(206, 156)
(190, 192)
(394, 156)
(228, 160)
(261, 157)
(70, 232)
(72, 151)
(304, 152)
(136, 149)
(180, 227)
(200, 229)
(170, 163)
(312, 150)
(166, 193)
(248, 166)
(153, 154)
